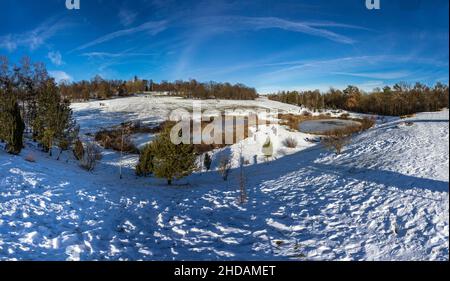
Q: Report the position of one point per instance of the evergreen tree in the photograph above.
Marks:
(53, 120)
(145, 165)
(172, 161)
(67, 128)
(12, 125)
(31, 100)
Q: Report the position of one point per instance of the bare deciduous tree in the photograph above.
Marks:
(91, 156)
(225, 167)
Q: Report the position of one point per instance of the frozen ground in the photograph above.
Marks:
(385, 198)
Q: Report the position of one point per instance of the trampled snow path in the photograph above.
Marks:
(386, 197)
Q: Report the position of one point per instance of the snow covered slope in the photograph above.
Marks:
(100, 114)
(385, 198)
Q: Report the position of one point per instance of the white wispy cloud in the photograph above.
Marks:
(127, 17)
(328, 69)
(288, 69)
(55, 57)
(60, 76)
(151, 27)
(205, 27)
(102, 55)
(32, 39)
(370, 85)
(319, 29)
(389, 75)
(104, 60)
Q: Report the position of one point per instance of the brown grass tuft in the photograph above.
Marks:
(290, 142)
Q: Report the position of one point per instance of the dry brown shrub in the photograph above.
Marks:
(290, 142)
(367, 123)
(293, 121)
(78, 150)
(344, 116)
(337, 140)
(116, 140)
(407, 116)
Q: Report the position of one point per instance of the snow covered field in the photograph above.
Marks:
(385, 198)
(95, 115)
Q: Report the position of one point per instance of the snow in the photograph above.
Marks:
(384, 198)
(150, 109)
(141, 139)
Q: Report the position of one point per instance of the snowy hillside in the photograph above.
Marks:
(385, 198)
(149, 109)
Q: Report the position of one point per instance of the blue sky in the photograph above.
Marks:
(270, 45)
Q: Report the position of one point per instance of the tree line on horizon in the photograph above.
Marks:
(99, 88)
(401, 99)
